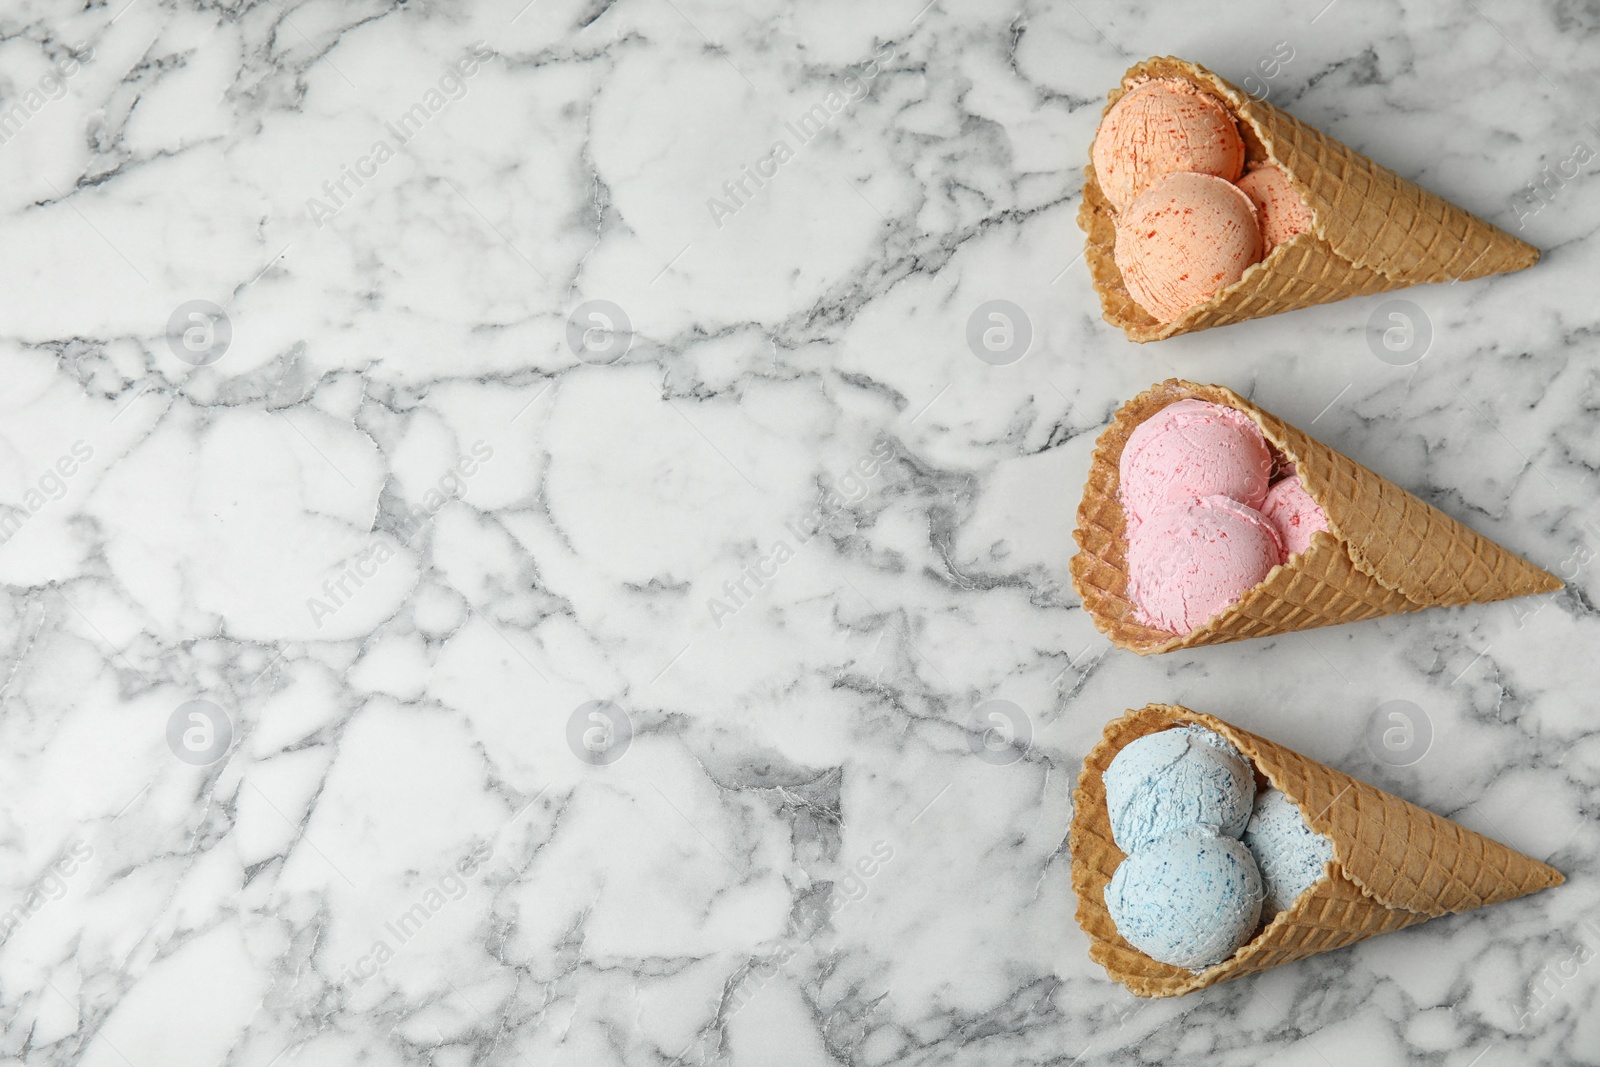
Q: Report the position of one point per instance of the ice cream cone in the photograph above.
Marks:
(1385, 551)
(1394, 864)
(1372, 230)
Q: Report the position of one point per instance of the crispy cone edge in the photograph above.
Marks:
(1394, 863)
(1372, 230)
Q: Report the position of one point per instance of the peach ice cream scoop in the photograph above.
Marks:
(1183, 239)
(1294, 514)
(1160, 127)
(1192, 449)
(1189, 561)
(1279, 210)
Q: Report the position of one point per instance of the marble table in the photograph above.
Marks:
(512, 550)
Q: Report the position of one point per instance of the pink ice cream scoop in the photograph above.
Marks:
(1294, 514)
(1192, 449)
(1184, 238)
(1279, 210)
(1189, 561)
(1158, 128)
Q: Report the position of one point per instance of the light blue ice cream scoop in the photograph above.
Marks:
(1189, 899)
(1289, 853)
(1165, 781)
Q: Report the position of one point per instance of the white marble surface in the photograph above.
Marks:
(399, 690)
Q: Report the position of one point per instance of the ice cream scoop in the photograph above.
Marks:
(1174, 779)
(1160, 127)
(1290, 855)
(1183, 239)
(1187, 562)
(1294, 514)
(1280, 212)
(1192, 449)
(1189, 899)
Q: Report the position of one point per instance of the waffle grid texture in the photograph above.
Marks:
(1394, 863)
(1386, 552)
(1372, 230)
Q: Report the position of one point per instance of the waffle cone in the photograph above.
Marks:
(1386, 552)
(1371, 231)
(1394, 864)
